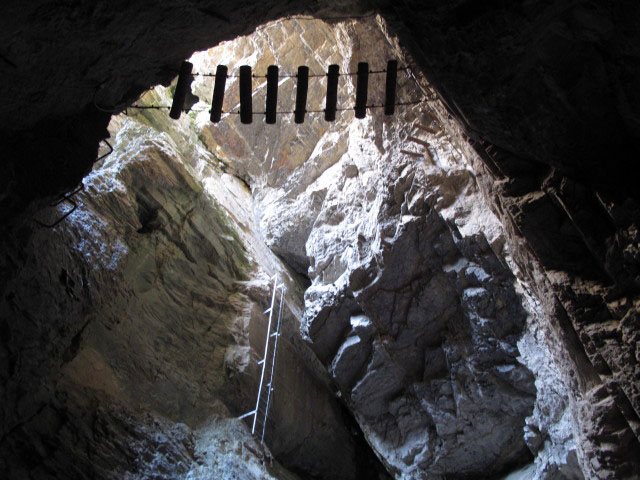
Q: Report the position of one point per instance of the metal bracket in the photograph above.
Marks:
(65, 198)
(106, 154)
(248, 414)
(68, 196)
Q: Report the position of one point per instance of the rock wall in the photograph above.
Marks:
(412, 305)
(508, 71)
(420, 333)
(149, 299)
(588, 294)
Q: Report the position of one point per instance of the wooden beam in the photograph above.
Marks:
(182, 88)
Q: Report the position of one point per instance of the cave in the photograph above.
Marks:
(460, 280)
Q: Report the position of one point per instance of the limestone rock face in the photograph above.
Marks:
(469, 310)
(412, 305)
(589, 297)
(282, 162)
(417, 323)
(550, 431)
(425, 351)
(150, 296)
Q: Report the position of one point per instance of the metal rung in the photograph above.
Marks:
(267, 311)
(261, 362)
(275, 334)
(248, 414)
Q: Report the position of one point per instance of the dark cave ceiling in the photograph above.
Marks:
(552, 83)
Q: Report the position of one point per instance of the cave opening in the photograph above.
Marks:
(432, 328)
(330, 206)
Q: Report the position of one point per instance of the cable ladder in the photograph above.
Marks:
(268, 362)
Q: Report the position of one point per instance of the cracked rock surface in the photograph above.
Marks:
(412, 306)
(150, 298)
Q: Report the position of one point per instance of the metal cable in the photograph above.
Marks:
(282, 112)
(345, 74)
